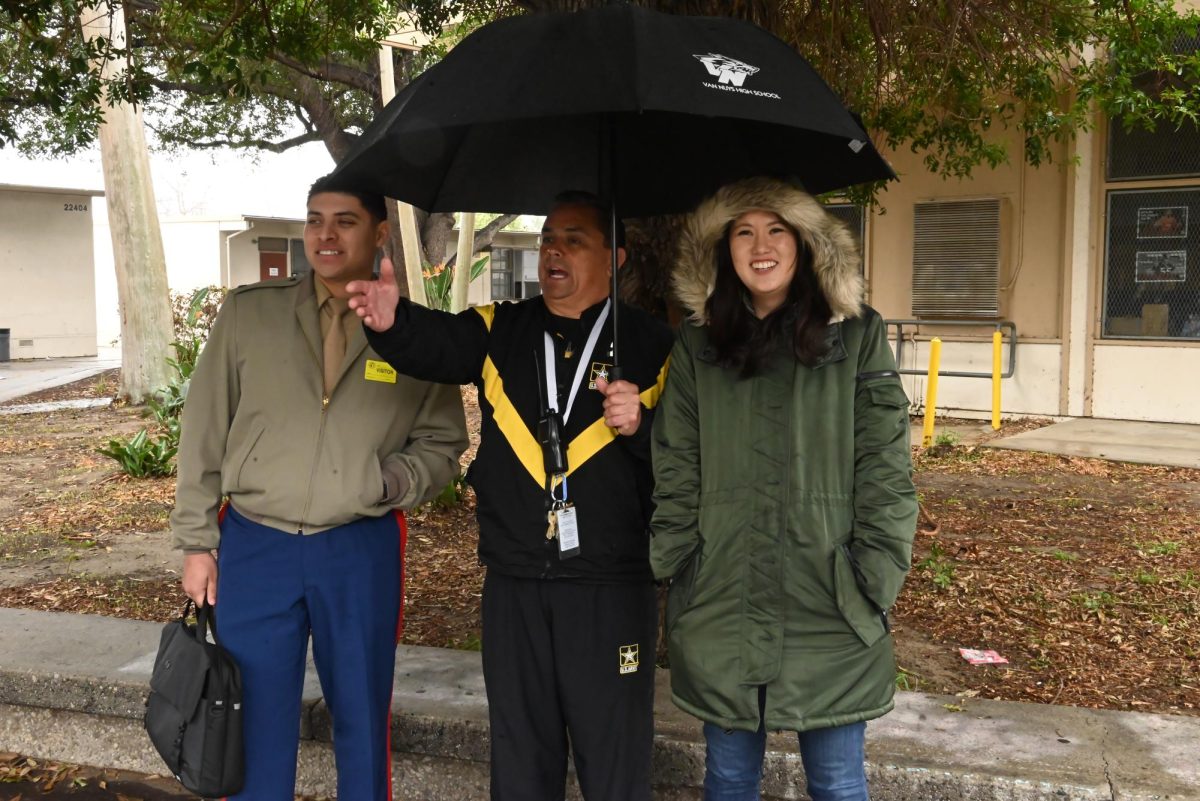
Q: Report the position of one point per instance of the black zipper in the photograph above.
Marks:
(877, 374)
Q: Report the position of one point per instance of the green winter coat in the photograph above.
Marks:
(785, 511)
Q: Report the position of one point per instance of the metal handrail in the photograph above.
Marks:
(1001, 325)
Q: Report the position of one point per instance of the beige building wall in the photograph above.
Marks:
(46, 265)
(1032, 240)
(1052, 278)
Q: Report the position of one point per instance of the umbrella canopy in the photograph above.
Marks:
(653, 111)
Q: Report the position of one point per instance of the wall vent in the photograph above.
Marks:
(956, 258)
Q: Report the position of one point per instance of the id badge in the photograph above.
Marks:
(568, 531)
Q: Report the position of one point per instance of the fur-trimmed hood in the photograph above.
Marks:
(835, 254)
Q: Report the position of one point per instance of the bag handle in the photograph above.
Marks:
(206, 620)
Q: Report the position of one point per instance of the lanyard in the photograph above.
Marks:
(584, 361)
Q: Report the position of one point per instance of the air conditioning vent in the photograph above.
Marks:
(956, 259)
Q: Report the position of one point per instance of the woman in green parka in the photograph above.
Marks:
(785, 503)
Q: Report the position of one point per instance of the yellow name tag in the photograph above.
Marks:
(380, 371)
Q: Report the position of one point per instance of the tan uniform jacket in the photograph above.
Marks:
(256, 426)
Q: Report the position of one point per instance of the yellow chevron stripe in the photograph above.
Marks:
(519, 437)
(598, 434)
(524, 445)
(650, 396)
(488, 313)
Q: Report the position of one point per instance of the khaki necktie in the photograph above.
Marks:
(335, 342)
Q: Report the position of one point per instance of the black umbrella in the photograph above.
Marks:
(651, 111)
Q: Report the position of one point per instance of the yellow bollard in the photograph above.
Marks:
(931, 382)
(996, 358)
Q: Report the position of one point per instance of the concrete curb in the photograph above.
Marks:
(72, 687)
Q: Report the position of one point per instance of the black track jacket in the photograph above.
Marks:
(500, 348)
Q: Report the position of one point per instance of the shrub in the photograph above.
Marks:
(142, 456)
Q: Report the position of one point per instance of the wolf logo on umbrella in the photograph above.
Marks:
(726, 69)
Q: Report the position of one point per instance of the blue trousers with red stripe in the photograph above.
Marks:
(342, 586)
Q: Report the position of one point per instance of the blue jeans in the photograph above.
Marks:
(833, 763)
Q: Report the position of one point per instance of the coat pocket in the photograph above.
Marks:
(682, 589)
(244, 457)
(856, 608)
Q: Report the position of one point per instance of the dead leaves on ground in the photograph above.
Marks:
(1086, 575)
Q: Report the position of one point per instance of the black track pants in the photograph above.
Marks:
(568, 659)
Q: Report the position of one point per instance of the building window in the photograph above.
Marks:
(956, 259)
(514, 273)
(855, 219)
(1152, 254)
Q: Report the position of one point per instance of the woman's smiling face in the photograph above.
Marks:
(763, 250)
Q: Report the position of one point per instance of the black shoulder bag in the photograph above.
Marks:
(194, 712)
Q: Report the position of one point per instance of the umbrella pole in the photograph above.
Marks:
(615, 372)
(609, 138)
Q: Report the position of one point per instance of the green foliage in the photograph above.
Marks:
(939, 567)
(141, 455)
(471, 642)
(1094, 601)
(452, 494)
(941, 79)
(946, 439)
(439, 280)
(1164, 548)
(906, 680)
(1065, 556)
(152, 455)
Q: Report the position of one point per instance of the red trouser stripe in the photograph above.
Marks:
(402, 524)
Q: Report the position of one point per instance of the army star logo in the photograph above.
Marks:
(599, 370)
(628, 659)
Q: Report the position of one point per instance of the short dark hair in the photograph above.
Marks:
(371, 201)
(579, 197)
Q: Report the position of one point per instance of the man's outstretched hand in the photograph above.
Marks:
(375, 301)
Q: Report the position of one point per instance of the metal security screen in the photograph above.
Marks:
(956, 259)
(1166, 152)
(854, 218)
(1151, 285)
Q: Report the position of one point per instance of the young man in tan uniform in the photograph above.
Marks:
(318, 445)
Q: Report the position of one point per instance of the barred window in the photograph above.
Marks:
(855, 219)
(1152, 254)
(1165, 152)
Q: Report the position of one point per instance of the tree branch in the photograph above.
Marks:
(262, 144)
(331, 71)
(485, 235)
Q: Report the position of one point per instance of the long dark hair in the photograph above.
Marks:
(745, 343)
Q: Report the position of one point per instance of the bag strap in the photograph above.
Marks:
(206, 620)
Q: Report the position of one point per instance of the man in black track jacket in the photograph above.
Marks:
(569, 613)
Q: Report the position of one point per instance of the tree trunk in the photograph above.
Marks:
(146, 327)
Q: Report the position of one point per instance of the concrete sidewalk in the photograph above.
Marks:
(72, 687)
(25, 377)
(1173, 444)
